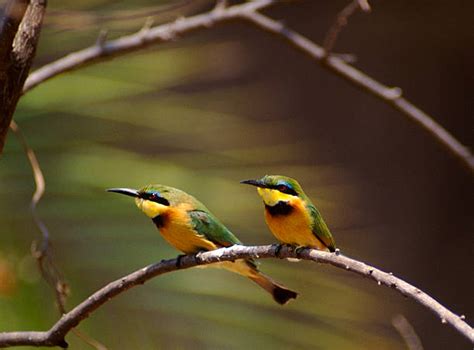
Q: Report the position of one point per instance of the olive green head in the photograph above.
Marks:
(280, 183)
(154, 200)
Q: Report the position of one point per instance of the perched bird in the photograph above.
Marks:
(291, 216)
(190, 227)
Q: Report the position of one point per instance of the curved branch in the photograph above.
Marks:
(166, 32)
(142, 39)
(407, 332)
(390, 95)
(341, 21)
(55, 336)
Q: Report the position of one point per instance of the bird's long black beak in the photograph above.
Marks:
(126, 191)
(258, 183)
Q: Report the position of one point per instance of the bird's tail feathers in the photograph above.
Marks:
(249, 269)
(279, 293)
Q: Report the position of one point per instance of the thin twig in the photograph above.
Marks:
(341, 21)
(56, 334)
(163, 33)
(390, 95)
(407, 332)
(140, 40)
(122, 15)
(42, 252)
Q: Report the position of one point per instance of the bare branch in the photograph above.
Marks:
(93, 18)
(43, 252)
(407, 332)
(390, 95)
(166, 32)
(17, 50)
(140, 40)
(341, 21)
(55, 336)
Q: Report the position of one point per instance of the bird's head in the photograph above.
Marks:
(277, 188)
(153, 200)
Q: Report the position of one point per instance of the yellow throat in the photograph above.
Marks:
(151, 209)
(272, 197)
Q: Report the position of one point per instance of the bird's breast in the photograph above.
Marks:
(176, 228)
(294, 227)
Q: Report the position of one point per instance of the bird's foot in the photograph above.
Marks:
(279, 247)
(197, 256)
(299, 249)
(178, 260)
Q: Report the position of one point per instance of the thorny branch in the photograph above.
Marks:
(104, 50)
(55, 336)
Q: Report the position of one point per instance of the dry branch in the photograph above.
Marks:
(341, 21)
(140, 40)
(19, 34)
(42, 252)
(166, 32)
(407, 332)
(390, 95)
(56, 334)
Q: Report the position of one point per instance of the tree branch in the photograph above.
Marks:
(43, 252)
(56, 334)
(341, 21)
(390, 95)
(407, 332)
(142, 39)
(19, 33)
(9, 23)
(166, 32)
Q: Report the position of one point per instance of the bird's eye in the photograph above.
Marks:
(151, 197)
(286, 189)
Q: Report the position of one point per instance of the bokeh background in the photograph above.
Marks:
(231, 103)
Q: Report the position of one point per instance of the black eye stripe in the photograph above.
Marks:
(285, 189)
(162, 200)
(155, 197)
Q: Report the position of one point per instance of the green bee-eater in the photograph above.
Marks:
(190, 227)
(290, 214)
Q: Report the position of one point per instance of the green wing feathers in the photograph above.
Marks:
(210, 227)
(320, 229)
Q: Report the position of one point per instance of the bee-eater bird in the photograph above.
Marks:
(190, 227)
(290, 214)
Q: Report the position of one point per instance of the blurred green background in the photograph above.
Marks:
(230, 103)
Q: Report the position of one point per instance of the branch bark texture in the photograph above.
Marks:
(55, 336)
(19, 33)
